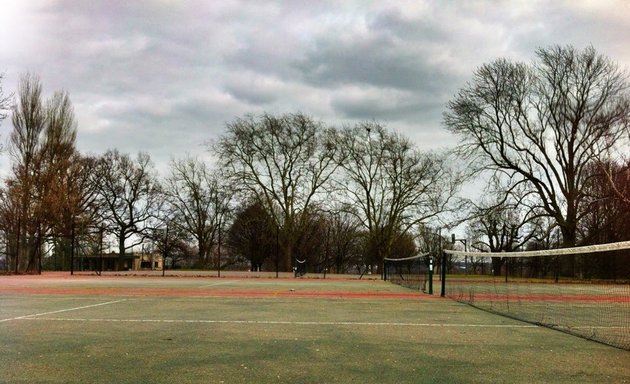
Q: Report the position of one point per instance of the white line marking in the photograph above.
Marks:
(272, 322)
(589, 327)
(213, 284)
(25, 317)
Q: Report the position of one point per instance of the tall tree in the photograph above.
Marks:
(252, 235)
(29, 120)
(57, 162)
(42, 144)
(198, 203)
(283, 162)
(542, 124)
(343, 239)
(391, 186)
(71, 201)
(128, 194)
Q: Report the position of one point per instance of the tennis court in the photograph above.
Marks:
(57, 328)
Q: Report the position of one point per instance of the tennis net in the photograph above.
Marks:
(299, 269)
(583, 291)
(410, 272)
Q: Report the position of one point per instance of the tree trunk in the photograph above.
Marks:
(121, 251)
(286, 262)
(497, 264)
(203, 255)
(32, 254)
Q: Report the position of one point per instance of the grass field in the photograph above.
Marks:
(123, 329)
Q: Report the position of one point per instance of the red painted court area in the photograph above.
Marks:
(181, 292)
(135, 286)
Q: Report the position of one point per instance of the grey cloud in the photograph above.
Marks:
(375, 60)
(394, 23)
(373, 109)
(391, 64)
(383, 104)
(250, 94)
(165, 77)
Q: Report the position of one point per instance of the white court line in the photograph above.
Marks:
(589, 327)
(213, 284)
(272, 322)
(60, 311)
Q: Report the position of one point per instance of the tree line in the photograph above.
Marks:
(547, 136)
(285, 188)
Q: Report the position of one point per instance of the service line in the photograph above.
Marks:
(25, 317)
(214, 284)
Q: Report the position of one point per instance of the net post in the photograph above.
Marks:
(430, 275)
(443, 275)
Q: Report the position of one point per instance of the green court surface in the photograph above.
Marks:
(91, 329)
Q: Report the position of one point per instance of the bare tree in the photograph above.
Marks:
(391, 186)
(10, 221)
(58, 169)
(343, 239)
(171, 241)
(541, 125)
(609, 206)
(29, 121)
(313, 243)
(72, 209)
(128, 194)
(252, 236)
(502, 227)
(5, 105)
(283, 162)
(198, 203)
(42, 145)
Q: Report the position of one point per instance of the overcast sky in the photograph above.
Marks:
(165, 76)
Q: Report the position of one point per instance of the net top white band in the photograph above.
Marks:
(547, 252)
(409, 258)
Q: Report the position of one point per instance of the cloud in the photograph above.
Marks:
(367, 103)
(164, 77)
(254, 89)
(371, 52)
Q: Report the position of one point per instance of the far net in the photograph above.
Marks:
(410, 272)
(300, 267)
(583, 291)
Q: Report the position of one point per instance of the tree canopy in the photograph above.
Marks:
(543, 124)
